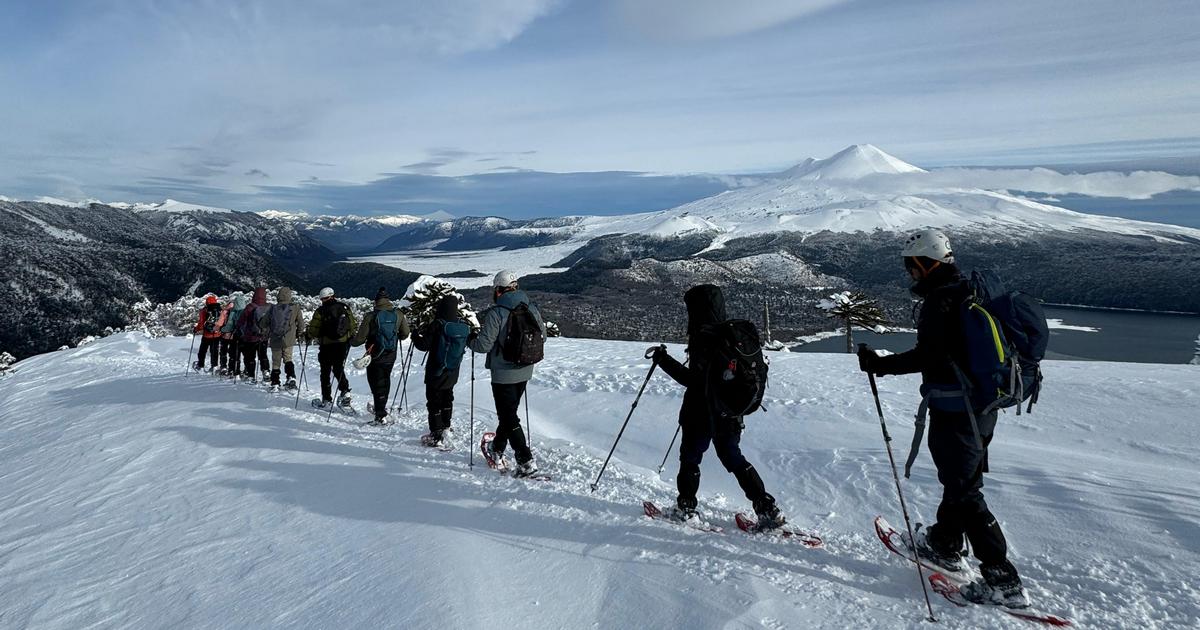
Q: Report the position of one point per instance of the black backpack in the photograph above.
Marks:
(212, 314)
(735, 378)
(524, 343)
(335, 321)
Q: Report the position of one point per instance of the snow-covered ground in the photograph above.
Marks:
(135, 497)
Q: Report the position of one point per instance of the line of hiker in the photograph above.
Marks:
(978, 349)
(247, 329)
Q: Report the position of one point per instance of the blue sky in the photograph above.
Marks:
(406, 104)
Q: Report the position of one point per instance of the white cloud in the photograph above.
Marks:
(1135, 185)
(705, 19)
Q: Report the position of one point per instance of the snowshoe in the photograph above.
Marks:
(275, 388)
(435, 439)
(685, 516)
(197, 366)
(494, 460)
(344, 401)
(317, 403)
(291, 384)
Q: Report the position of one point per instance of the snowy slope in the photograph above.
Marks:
(135, 497)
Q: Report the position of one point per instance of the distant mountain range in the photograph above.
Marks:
(781, 240)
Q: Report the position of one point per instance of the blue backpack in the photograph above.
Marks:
(1004, 334)
(385, 331)
(447, 353)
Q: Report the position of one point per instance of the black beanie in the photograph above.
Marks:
(381, 294)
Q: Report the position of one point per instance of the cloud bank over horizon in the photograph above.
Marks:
(392, 104)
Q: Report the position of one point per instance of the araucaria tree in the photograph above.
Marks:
(421, 299)
(854, 309)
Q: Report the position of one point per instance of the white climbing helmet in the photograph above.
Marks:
(505, 278)
(930, 243)
(327, 292)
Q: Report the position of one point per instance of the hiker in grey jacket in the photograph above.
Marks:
(508, 379)
(285, 321)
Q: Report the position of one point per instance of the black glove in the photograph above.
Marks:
(867, 358)
(660, 353)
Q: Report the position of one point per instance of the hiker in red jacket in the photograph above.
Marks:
(212, 317)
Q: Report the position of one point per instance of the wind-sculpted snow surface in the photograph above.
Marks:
(136, 497)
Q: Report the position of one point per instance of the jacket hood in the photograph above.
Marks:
(447, 308)
(260, 296)
(284, 296)
(705, 305)
(384, 304)
(240, 302)
(512, 299)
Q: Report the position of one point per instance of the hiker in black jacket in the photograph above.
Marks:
(958, 457)
(440, 378)
(700, 426)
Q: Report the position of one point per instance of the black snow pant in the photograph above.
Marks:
(379, 377)
(254, 357)
(208, 347)
(960, 466)
(508, 400)
(332, 357)
(439, 399)
(697, 435)
(230, 355)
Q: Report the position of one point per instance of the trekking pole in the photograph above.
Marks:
(339, 389)
(396, 393)
(663, 465)
(471, 441)
(887, 441)
(407, 367)
(303, 359)
(649, 353)
(528, 433)
(188, 368)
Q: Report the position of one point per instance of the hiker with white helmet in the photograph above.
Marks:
(958, 440)
(331, 327)
(511, 334)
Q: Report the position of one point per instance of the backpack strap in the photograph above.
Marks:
(922, 411)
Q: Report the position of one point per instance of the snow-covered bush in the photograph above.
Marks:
(552, 330)
(854, 309)
(6, 363)
(421, 299)
(1196, 359)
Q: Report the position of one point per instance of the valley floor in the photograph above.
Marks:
(132, 496)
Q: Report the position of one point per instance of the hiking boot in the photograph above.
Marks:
(275, 378)
(291, 384)
(947, 560)
(322, 404)
(435, 439)
(196, 365)
(497, 458)
(525, 468)
(770, 518)
(999, 586)
(344, 401)
(683, 515)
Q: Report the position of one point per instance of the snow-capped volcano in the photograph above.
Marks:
(854, 162)
(863, 189)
